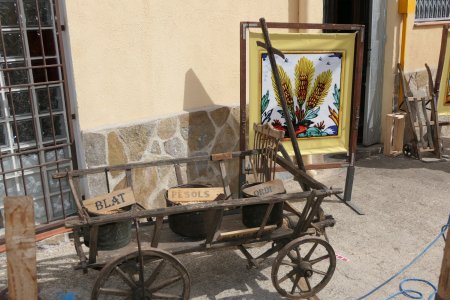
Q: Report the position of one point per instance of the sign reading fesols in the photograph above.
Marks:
(111, 201)
(194, 194)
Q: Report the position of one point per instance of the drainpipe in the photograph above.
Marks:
(405, 7)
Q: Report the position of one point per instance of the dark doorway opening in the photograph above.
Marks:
(352, 12)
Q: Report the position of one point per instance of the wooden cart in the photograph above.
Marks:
(147, 268)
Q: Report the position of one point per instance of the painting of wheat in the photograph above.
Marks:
(311, 84)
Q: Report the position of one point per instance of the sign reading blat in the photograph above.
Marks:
(111, 201)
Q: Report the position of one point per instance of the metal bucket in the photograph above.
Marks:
(190, 224)
(253, 215)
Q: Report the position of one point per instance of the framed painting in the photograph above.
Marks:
(316, 76)
(443, 75)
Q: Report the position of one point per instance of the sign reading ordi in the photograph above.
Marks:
(112, 201)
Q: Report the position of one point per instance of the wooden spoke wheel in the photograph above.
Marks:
(164, 277)
(303, 267)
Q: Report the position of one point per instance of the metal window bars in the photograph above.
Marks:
(432, 10)
(36, 137)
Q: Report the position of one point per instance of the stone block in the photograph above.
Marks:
(116, 152)
(226, 141)
(155, 149)
(94, 149)
(121, 184)
(220, 115)
(184, 125)
(145, 181)
(136, 138)
(167, 128)
(175, 147)
(201, 131)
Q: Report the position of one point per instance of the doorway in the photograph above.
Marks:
(371, 14)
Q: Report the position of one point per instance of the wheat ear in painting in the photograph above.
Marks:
(311, 84)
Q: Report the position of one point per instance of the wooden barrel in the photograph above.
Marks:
(253, 215)
(190, 224)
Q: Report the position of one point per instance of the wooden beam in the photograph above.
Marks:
(444, 279)
(20, 248)
(44, 235)
(159, 212)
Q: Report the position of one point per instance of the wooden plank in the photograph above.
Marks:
(444, 279)
(157, 232)
(394, 132)
(269, 130)
(156, 163)
(129, 178)
(244, 232)
(222, 156)
(194, 194)
(427, 122)
(178, 174)
(425, 150)
(416, 124)
(388, 134)
(299, 175)
(213, 221)
(268, 188)
(20, 248)
(420, 137)
(264, 220)
(45, 235)
(108, 202)
(93, 240)
(399, 126)
(225, 180)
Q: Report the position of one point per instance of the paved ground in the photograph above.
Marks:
(406, 202)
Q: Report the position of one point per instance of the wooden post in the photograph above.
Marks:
(20, 248)
(444, 279)
(393, 136)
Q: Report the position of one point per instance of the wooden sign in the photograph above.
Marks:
(20, 247)
(194, 194)
(268, 188)
(108, 202)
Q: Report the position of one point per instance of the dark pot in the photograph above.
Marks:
(253, 215)
(190, 224)
(111, 236)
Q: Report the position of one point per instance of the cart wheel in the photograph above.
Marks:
(303, 268)
(164, 278)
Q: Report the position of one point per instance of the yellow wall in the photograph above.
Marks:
(310, 11)
(423, 45)
(391, 55)
(145, 59)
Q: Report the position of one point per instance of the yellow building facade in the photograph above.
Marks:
(161, 79)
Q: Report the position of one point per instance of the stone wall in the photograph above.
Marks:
(188, 134)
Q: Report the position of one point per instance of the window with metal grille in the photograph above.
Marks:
(35, 139)
(432, 10)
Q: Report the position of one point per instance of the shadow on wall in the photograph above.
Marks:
(207, 130)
